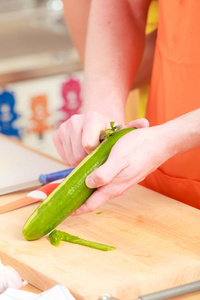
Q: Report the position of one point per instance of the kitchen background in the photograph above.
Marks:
(40, 73)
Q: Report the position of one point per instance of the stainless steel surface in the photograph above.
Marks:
(35, 40)
(170, 293)
(19, 187)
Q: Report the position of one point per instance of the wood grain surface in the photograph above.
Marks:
(157, 241)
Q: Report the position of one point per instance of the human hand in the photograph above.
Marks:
(79, 135)
(126, 166)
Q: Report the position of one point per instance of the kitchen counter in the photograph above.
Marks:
(157, 242)
(192, 296)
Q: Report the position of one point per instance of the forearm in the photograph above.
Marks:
(114, 49)
(145, 69)
(76, 16)
(182, 134)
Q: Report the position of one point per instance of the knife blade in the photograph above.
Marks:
(32, 197)
(33, 184)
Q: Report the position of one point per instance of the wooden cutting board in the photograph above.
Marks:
(157, 241)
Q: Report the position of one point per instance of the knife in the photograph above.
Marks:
(43, 179)
(32, 197)
(38, 194)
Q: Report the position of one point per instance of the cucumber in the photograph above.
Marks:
(71, 193)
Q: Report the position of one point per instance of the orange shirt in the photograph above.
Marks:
(175, 90)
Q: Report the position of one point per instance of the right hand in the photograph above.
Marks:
(79, 135)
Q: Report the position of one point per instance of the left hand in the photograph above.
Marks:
(126, 166)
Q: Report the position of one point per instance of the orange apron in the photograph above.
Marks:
(175, 90)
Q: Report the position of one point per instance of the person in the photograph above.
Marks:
(142, 88)
(163, 154)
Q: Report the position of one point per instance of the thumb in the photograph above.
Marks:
(104, 174)
(139, 123)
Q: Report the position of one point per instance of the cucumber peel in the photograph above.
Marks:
(57, 236)
(71, 193)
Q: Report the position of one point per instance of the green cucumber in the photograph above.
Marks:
(71, 193)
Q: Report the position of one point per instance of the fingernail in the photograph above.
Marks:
(90, 182)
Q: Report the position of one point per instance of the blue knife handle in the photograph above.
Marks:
(46, 178)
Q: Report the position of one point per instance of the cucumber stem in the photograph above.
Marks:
(105, 133)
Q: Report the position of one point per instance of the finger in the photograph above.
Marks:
(97, 199)
(76, 139)
(59, 146)
(77, 148)
(105, 173)
(139, 123)
(117, 187)
(103, 194)
(69, 137)
(71, 161)
(94, 123)
(65, 146)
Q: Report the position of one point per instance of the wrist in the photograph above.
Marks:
(108, 105)
(182, 134)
